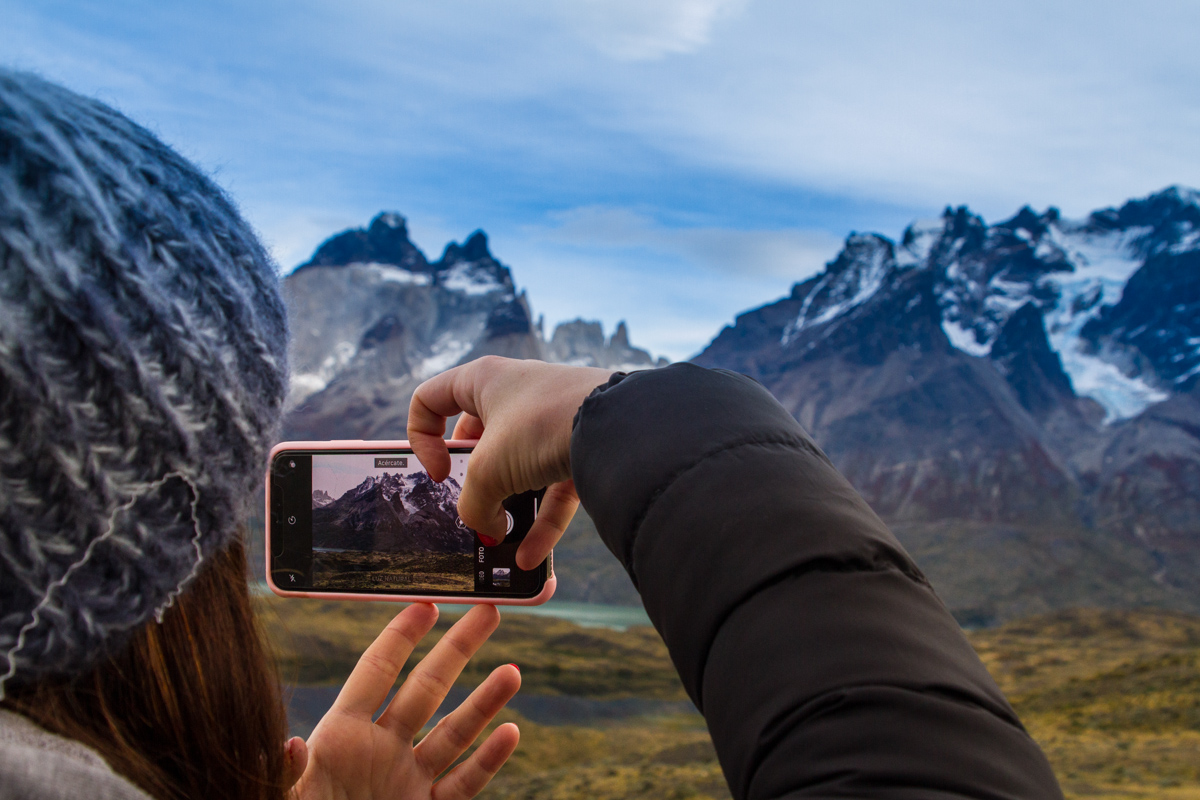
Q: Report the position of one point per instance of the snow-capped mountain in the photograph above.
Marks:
(1021, 400)
(1038, 371)
(392, 514)
(371, 317)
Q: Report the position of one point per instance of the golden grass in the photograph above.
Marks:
(319, 641)
(1113, 697)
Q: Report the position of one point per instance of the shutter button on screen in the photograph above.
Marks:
(508, 516)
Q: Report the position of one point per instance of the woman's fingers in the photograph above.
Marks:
(470, 777)
(426, 686)
(557, 508)
(436, 400)
(526, 408)
(458, 730)
(380, 664)
(468, 427)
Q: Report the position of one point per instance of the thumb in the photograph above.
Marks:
(296, 760)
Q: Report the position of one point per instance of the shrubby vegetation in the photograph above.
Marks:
(1112, 696)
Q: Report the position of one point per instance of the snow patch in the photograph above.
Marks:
(1122, 396)
(1193, 371)
(305, 384)
(445, 353)
(1006, 297)
(1103, 263)
(393, 274)
(1109, 256)
(1187, 243)
(964, 338)
(925, 234)
(870, 277)
(467, 278)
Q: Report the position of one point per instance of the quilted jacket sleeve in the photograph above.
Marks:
(822, 660)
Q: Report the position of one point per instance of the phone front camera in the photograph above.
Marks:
(291, 465)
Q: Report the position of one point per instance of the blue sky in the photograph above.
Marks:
(669, 163)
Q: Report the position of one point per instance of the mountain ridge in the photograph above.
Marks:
(401, 318)
(1020, 400)
(1023, 373)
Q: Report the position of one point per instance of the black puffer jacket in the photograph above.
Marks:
(819, 655)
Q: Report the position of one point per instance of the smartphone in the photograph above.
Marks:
(364, 521)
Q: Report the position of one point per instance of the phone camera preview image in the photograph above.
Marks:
(376, 523)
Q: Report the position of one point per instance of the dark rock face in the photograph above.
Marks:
(1038, 373)
(1023, 356)
(385, 241)
(391, 514)
(371, 318)
(1156, 324)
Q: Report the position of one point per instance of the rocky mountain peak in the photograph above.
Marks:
(1029, 225)
(963, 229)
(475, 248)
(1173, 209)
(384, 241)
(582, 343)
(470, 267)
(371, 318)
(862, 268)
(1040, 371)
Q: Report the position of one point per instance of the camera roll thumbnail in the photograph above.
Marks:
(381, 524)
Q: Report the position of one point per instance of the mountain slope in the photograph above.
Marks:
(1036, 373)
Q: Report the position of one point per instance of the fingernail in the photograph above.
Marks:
(515, 666)
(487, 540)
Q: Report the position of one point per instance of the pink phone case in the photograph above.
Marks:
(358, 444)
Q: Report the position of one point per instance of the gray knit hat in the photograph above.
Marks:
(142, 369)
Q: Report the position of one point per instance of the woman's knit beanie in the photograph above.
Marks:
(142, 370)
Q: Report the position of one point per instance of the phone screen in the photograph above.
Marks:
(374, 522)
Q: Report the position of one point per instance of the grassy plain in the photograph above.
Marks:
(1113, 698)
(350, 569)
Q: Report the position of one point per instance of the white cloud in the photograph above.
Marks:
(789, 254)
(918, 104)
(646, 30)
(936, 102)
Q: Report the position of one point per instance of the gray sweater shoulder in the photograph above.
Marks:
(38, 765)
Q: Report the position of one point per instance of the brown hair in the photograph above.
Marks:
(189, 708)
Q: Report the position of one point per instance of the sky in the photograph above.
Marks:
(670, 163)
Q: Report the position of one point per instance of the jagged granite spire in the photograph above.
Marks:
(384, 241)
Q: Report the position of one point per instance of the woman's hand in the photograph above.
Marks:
(349, 756)
(521, 413)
